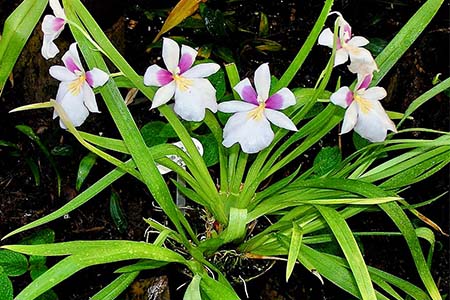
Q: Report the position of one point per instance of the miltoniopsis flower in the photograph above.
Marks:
(75, 92)
(364, 112)
(193, 93)
(52, 26)
(250, 125)
(348, 46)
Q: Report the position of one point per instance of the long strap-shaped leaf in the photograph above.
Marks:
(18, 28)
(348, 244)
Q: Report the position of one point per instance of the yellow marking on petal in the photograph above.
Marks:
(257, 113)
(75, 86)
(364, 105)
(182, 83)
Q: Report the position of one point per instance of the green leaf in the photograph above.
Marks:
(6, 288)
(237, 225)
(216, 290)
(210, 150)
(142, 265)
(294, 249)
(218, 81)
(37, 270)
(115, 288)
(326, 160)
(348, 244)
(44, 236)
(16, 31)
(62, 150)
(48, 295)
(12, 263)
(150, 133)
(193, 289)
(84, 169)
(358, 141)
(117, 215)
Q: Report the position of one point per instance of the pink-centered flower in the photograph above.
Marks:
(347, 46)
(364, 112)
(52, 26)
(75, 92)
(193, 93)
(250, 125)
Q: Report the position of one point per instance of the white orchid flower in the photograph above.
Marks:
(193, 93)
(348, 46)
(75, 92)
(52, 26)
(250, 125)
(364, 112)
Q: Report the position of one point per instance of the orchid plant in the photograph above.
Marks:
(260, 169)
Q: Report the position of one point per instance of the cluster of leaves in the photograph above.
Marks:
(308, 208)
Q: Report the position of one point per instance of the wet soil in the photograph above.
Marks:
(129, 26)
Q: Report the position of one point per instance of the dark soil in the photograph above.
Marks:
(290, 21)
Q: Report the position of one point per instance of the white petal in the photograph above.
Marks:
(170, 54)
(374, 124)
(96, 77)
(52, 25)
(62, 74)
(246, 91)
(281, 99)
(342, 97)
(57, 8)
(362, 67)
(49, 49)
(157, 76)
(253, 135)
(163, 94)
(341, 57)
(326, 38)
(358, 41)
(262, 81)
(89, 98)
(350, 118)
(201, 70)
(279, 119)
(72, 105)
(191, 104)
(188, 55)
(235, 106)
(357, 53)
(373, 94)
(72, 60)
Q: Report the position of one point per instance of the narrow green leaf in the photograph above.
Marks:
(16, 31)
(117, 215)
(116, 287)
(216, 290)
(294, 249)
(326, 160)
(193, 289)
(142, 265)
(237, 225)
(84, 169)
(349, 246)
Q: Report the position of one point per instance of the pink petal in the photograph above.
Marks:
(364, 82)
(96, 77)
(157, 76)
(281, 99)
(342, 97)
(246, 91)
(187, 58)
(72, 60)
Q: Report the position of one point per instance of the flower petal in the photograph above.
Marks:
(190, 104)
(350, 118)
(57, 9)
(363, 81)
(72, 105)
(89, 98)
(279, 119)
(326, 38)
(362, 67)
(187, 58)
(252, 134)
(281, 99)
(373, 94)
(201, 70)
(49, 49)
(157, 76)
(345, 30)
(52, 25)
(341, 57)
(374, 124)
(170, 54)
(262, 81)
(96, 77)
(62, 74)
(358, 41)
(72, 60)
(235, 106)
(246, 91)
(357, 53)
(163, 94)
(342, 97)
